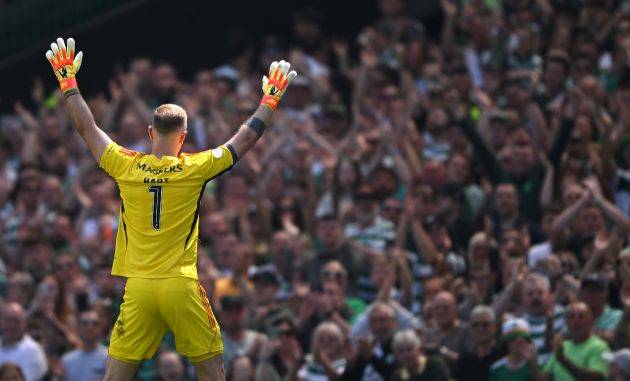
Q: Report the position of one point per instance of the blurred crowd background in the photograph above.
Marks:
(425, 206)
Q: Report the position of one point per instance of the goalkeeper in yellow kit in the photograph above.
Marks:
(156, 243)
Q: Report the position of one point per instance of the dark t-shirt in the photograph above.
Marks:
(435, 370)
(471, 367)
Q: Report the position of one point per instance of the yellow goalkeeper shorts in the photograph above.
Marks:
(153, 306)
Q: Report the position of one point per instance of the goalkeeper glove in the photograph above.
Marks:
(65, 65)
(274, 87)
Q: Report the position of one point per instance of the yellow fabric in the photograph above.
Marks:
(225, 286)
(207, 356)
(153, 306)
(158, 223)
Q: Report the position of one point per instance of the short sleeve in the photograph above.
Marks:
(595, 360)
(116, 160)
(218, 160)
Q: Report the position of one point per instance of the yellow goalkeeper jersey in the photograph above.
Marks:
(159, 214)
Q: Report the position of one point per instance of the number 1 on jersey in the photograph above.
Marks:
(157, 205)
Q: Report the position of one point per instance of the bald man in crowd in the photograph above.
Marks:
(580, 355)
(17, 347)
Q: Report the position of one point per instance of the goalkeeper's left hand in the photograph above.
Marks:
(274, 87)
(65, 64)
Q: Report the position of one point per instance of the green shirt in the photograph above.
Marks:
(356, 306)
(586, 355)
(501, 371)
(608, 320)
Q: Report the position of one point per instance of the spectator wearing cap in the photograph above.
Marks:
(413, 365)
(236, 338)
(594, 292)
(18, 347)
(520, 363)
(474, 363)
(266, 282)
(619, 369)
(580, 356)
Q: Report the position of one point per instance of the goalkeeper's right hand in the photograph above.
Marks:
(275, 86)
(65, 64)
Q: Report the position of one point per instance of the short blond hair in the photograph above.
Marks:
(169, 118)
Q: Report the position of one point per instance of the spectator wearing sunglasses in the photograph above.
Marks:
(87, 362)
(283, 353)
(475, 364)
(335, 275)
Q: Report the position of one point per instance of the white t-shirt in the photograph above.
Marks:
(28, 355)
(538, 253)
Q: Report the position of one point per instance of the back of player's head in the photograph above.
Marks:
(169, 118)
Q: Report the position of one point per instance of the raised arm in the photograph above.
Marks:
(65, 65)
(273, 89)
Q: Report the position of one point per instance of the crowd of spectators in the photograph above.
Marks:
(420, 208)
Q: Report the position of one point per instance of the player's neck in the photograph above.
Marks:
(160, 150)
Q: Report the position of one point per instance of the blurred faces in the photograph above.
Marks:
(20, 288)
(579, 321)
(335, 272)
(13, 323)
(484, 328)
(444, 310)
(224, 248)
(233, 319)
(595, 298)
(392, 210)
(89, 329)
(512, 243)
(506, 198)
(30, 193)
(555, 76)
(458, 169)
(535, 296)
(213, 226)
(329, 232)
(164, 81)
(407, 355)
(589, 221)
(242, 369)
(382, 322)
(170, 366)
(328, 338)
